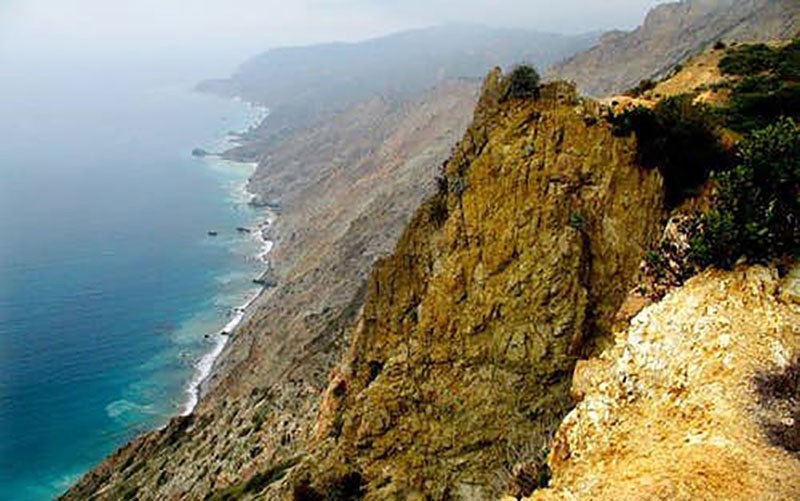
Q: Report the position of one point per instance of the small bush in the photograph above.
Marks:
(523, 82)
(437, 209)
(759, 100)
(641, 88)
(747, 60)
(756, 211)
(577, 221)
(256, 483)
(770, 88)
(347, 488)
(719, 45)
(304, 491)
(787, 63)
(679, 138)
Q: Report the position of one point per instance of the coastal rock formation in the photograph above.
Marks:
(670, 34)
(697, 399)
(470, 330)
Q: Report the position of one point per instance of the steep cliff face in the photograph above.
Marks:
(470, 331)
(348, 187)
(697, 399)
(670, 34)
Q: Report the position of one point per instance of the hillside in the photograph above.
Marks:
(670, 34)
(302, 85)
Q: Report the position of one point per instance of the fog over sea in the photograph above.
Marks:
(109, 281)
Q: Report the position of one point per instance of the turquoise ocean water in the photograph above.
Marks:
(109, 281)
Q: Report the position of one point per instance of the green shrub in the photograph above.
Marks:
(758, 101)
(523, 82)
(577, 221)
(641, 88)
(437, 209)
(787, 63)
(349, 487)
(257, 482)
(770, 88)
(748, 60)
(679, 138)
(756, 211)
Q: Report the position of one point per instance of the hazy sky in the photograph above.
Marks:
(247, 26)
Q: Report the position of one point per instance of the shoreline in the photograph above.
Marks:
(204, 367)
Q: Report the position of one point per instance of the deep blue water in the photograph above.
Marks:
(108, 279)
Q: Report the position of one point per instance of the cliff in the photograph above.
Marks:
(697, 399)
(670, 34)
(471, 329)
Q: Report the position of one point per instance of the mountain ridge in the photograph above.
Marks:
(671, 33)
(303, 85)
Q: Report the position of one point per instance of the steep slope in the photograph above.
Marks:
(670, 34)
(696, 400)
(471, 329)
(301, 85)
(348, 188)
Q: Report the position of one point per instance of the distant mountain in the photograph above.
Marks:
(670, 34)
(301, 84)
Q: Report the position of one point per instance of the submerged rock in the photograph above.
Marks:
(268, 279)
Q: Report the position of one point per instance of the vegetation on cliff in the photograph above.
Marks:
(754, 209)
(769, 87)
(678, 136)
(523, 82)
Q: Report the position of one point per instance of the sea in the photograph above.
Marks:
(113, 292)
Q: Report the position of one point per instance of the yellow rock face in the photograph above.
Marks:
(471, 329)
(673, 410)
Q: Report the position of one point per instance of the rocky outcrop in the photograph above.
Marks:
(697, 399)
(471, 328)
(672, 33)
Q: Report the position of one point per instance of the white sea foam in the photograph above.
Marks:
(242, 197)
(203, 368)
(120, 409)
(205, 365)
